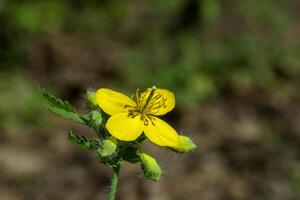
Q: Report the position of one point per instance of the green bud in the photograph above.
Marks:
(108, 147)
(91, 99)
(185, 145)
(95, 118)
(150, 167)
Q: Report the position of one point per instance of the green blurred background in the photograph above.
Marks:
(233, 65)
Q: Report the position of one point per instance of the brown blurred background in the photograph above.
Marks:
(233, 65)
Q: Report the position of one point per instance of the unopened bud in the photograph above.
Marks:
(95, 118)
(150, 167)
(91, 99)
(185, 145)
(108, 147)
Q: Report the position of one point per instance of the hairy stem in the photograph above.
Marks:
(114, 183)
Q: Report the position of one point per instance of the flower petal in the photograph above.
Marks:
(112, 102)
(123, 127)
(161, 133)
(158, 107)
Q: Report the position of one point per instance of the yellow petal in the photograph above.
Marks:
(112, 102)
(163, 101)
(123, 127)
(161, 133)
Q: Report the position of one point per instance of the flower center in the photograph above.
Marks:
(148, 103)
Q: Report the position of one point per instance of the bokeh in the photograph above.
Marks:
(233, 65)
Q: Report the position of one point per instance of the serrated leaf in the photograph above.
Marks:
(66, 114)
(83, 142)
(62, 108)
(56, 102)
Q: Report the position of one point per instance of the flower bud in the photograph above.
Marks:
(108, 147)
(91, 99)
(150, 167)
(95, 118)
(185, 145)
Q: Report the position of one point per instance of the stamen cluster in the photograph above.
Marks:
(148, 103)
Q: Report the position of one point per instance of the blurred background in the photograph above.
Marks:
(233, 65)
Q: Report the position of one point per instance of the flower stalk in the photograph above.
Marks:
(114, 183)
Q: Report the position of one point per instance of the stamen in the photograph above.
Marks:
(141, 99)
(133, 113)
(149, 101)
(128, 106)
(158, 101)
(147, 118)
(137, 97)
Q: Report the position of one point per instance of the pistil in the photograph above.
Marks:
(149, 98)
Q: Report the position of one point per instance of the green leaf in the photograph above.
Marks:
(83, 142)
(56, 102)
(66, 114)
(62, 108)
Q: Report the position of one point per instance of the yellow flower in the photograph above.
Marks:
(130, 117)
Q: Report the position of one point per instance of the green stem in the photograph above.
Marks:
(114, 183)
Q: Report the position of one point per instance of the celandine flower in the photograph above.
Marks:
(130, 117)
